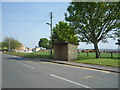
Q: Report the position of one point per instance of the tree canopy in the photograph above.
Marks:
(44, 42)
(10, 43)
(117, 34)
(62, 32)
(93, 21)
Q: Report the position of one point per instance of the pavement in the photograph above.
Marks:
(20, 72)
(98, 67)
(0, 70)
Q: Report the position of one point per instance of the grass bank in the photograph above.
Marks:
(101, 61)
(106, 60)
(29, 55)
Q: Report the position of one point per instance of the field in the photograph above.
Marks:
(88, 58)
(84, 55)
(42, 54)
(105, 60)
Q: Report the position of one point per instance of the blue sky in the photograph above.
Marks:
(26, 22)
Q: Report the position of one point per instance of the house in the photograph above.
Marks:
(89, 50)
(28, 50)
(36, 49)
(110, 50)
(20, 49)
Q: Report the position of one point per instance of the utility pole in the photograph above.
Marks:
(9, 45)
(51, 32)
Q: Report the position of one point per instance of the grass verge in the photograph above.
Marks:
(105, 61)
(102, 61)
(28, 55)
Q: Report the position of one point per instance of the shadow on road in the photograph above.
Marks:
(23, 59)
(34, 60)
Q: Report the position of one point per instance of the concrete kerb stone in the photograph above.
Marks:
(65, 63)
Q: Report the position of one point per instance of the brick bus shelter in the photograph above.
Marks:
(65, 51)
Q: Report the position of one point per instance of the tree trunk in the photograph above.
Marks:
(96, 50)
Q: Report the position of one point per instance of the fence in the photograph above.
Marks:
(46, 53)
(103, 55)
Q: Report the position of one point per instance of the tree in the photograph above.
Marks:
(118, 43)
(10, 43)
(117, 34)
(0, 45)
(3, 45)
(44, 42)
(93, 21)
(62, 32)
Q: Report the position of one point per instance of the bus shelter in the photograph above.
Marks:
(65, 51)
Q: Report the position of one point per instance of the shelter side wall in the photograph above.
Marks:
(56, 51)
(72, 52)
(64, 52)
(60, 52)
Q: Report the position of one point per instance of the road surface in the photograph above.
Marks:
(25, 73)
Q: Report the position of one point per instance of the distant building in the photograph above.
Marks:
(100, 50)
(24, 49)
(110, 50)
(20, 49)
(89, 50)
(28, 50)
(36, 49)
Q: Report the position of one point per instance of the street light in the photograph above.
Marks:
(48, 24)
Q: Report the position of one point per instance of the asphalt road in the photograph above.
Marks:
(0, 70)
(25, 73)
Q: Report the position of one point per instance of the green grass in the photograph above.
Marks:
(101, 61)
(103, 55)
(29, 55)
(105, 59)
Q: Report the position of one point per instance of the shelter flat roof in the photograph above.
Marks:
(61, 43)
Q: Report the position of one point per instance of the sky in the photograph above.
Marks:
(26, 22)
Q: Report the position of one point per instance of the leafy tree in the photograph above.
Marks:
(10, 43)
(93, 21)
(3, 45)
(117, 34)
(118, 43)
(44, 42)
(62, 32)
(0, 45)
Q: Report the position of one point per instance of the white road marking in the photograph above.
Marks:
(15, 56)
(29, 61)
(89, 76)
(70, 81)
(26, 65)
